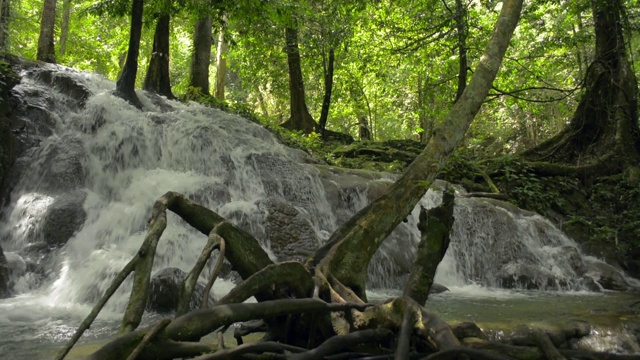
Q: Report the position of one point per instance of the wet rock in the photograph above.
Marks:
(63, 166)
(63, 218)
(64, 82)
(437, 288)
(571, 256)
(4, 276)
(290, 234)
(17, 265)
(165, 289)
(609, 277)
(467, 330)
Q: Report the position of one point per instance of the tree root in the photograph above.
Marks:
(153, 331)
(255, 348)
(338, 343)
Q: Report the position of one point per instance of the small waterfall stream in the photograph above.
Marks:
(90, 174)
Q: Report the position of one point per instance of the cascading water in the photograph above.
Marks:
(78, 209)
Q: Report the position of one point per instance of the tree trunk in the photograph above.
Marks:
(5, 9)
(347, 253)
(461, 28)
(363, 127)
(64, 26)
(201, 57)
(603, 134)
(157, 78)
(221, 61)
(328, 87)
(125, 86)
(46, 50)
(300, 118)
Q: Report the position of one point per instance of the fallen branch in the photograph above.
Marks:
(153, 331)
(254, 348)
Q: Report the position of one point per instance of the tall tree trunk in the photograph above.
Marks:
(201, 58)
(603, 136)
(328, 87)
(461, 28)
(221, 61)
(46, 50)
(364, 129)
(5, 10)
(64, 26)
(125, 86)
(300, 118)
(157, 79)
(347, 253)
(361, 108)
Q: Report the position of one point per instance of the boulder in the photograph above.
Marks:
(64, 218)
(609, 277)
(289, 232)
(165, 289)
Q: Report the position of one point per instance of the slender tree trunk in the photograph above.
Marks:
(5, 9)
(461, 28)
(201, 57)
(157, 79)
(64, 26)
(221, 61)
(364, 128)
(328, 87)
(347, 253)
(300, 118)
(125, 86)
(46, 50)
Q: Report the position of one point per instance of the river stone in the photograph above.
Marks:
(165, 288)
(4, 276)
(63, 218)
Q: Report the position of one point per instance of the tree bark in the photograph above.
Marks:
(461, 28)
(157, 79)
(201, 57)
(328, 87)
(435, 227)
(46, 50)
(221, 61)
(125, 86)
(5, 13)
(64, 26)
(348, 252)
(300, 118)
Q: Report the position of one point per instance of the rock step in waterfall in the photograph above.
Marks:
(91, 166)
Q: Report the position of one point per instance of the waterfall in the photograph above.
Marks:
(79, 207)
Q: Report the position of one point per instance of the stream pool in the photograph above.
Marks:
(33, 328)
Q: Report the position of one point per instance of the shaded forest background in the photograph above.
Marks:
(396, 64)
